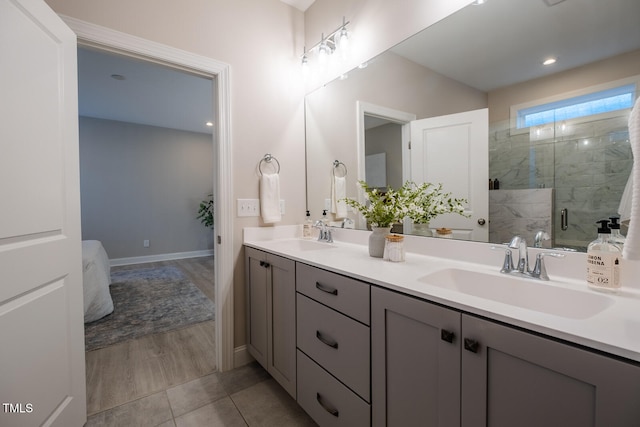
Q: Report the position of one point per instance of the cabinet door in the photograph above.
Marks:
(281, 315)
(271, 315)
(415, 354)
(256, 300)
(515, 378)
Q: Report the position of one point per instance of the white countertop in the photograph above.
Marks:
(615, 330)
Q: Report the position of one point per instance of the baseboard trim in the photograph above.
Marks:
(160, 257)
(241, 356)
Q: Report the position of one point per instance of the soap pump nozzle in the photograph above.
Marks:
(604, 226)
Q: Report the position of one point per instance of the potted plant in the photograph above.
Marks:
(427, 201)
(420, 203)
(205, 211)
(381, 209)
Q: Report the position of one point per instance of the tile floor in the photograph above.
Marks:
(170, 379)
(246, 396)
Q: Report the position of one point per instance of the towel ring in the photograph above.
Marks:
(336, 165)
(267, 159)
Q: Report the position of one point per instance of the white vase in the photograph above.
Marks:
(376, 241)
(422, 230)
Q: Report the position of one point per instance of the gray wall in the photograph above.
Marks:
(387, 139)
(143, 182)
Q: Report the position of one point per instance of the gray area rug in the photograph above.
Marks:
(147, 301)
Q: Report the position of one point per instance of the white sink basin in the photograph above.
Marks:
(521, 292)
(300, 245)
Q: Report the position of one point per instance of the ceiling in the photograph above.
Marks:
(503, 42)
(481, 57)
(147, 93)
(301, 5)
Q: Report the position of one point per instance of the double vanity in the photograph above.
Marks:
(436, 340)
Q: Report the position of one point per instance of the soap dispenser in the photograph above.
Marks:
(616, 235)
(324, 217)
(603, 261)
(307, 227)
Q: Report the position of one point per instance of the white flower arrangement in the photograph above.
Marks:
(420, 203)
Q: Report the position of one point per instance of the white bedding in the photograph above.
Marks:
(96, 276)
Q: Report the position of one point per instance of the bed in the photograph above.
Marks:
(96, 277)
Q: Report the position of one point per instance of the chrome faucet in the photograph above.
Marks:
(324, 234)
(539, 270)
(520, 243)
(347, 223)
(540, 236)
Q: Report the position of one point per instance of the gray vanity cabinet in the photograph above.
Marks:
(271, 314)
(415, 362)
(515, 378)
(334, 349)
(434, 366)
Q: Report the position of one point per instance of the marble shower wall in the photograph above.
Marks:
(520, 212)
(587, 164)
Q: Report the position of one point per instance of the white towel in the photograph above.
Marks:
(338, 193)
(625, 202)
(270, 198)
(632, 244)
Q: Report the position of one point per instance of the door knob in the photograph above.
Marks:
(482, 221)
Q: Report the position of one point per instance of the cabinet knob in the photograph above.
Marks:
(447, 336)
(264, 264)
(326, 407)
(328, 342)
(471, 345)
(482, 221)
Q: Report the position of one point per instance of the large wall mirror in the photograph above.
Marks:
(559, 168)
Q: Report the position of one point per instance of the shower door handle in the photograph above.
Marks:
(564, 219)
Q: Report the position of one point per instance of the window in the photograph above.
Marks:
(603, 101)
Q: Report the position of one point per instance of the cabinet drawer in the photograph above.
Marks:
(337, 343)
(326, 400)
(346, 295)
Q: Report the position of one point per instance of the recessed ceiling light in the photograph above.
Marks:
(209, 124)
(118, 77)
(549, 61)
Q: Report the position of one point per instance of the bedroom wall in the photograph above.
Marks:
(261, 40)
(144, 182)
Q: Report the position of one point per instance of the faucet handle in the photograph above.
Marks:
(539, 270)
(507, 263)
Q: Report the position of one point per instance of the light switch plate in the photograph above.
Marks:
(248, 207)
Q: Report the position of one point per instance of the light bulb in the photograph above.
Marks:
(342, 38)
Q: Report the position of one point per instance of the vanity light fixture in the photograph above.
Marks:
(338, 39)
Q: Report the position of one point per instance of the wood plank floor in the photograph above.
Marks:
(127, 371)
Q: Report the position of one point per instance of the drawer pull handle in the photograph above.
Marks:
(326, 407)
(327, 289)
(471, 345)
(447, 336)
(325, 341)
(264, 264)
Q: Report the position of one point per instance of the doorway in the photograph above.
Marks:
(100, 37)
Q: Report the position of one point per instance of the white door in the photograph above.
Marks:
(453, 150)
(42, 373)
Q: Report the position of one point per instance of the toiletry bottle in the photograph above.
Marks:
(616, 235)
(490, 184)
(307, 227)
(324, 217)
(603, 261)
(496, 184)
